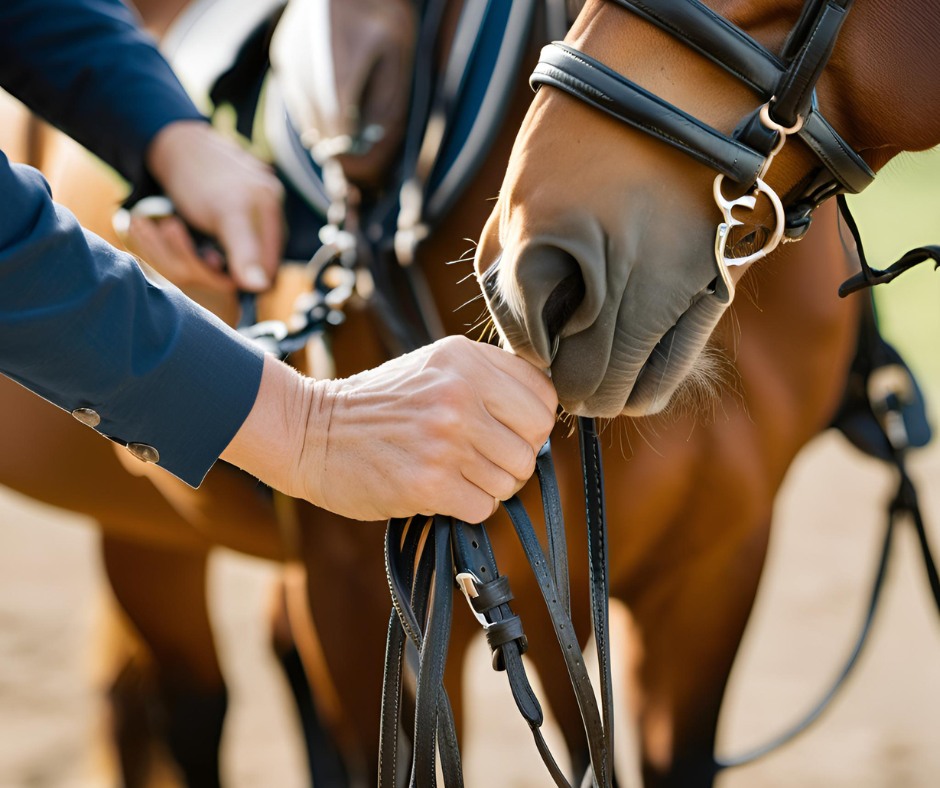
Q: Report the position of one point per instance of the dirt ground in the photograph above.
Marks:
(881, 731)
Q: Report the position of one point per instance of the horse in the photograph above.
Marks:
(707, 487)
(600, 261)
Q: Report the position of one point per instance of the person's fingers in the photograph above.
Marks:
(198, 270)
(239, 241)
(513, 391)
(521, 370)
(466, 502)
(501, 447)
(492, 478)
(165, 244)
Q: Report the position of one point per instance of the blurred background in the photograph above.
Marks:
(881, 730)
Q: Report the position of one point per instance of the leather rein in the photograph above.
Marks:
(425, 557)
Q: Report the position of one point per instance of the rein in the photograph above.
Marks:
(425, 556)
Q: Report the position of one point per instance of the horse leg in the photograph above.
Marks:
(291, 636)
(190, 689)
(690, 619)
(347, 599)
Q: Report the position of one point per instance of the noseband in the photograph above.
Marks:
(785, 82)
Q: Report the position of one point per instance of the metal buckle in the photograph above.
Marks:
(783, 131)
(468, 582)
(749, 202)
(889, 389)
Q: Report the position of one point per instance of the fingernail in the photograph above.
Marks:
(256, 278)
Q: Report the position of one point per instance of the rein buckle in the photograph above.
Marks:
(468, 582)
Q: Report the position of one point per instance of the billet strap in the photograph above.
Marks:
(794, 92)
(423, 557)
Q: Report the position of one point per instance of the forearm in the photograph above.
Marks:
(89, 69)
(81, 326)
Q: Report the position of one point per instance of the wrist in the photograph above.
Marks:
(271, 444)
(310, 473)
(168, 148)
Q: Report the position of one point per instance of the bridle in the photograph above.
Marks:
(425, 556)
(785, 84)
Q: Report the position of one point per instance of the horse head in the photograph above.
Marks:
(599, 258)
(345, 69)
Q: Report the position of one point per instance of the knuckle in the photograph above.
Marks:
(445, 420)
(478, 510)
(505, 487)
(426, 486)
(523, 464)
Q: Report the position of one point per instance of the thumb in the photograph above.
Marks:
(239, 241)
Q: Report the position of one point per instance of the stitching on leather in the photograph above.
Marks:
(572, 85)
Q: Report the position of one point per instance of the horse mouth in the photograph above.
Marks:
(605, 369)
(658, 378)
(677, 353)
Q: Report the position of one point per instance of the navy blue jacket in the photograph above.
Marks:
(79, 323)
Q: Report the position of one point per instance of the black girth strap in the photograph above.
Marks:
(424, 557)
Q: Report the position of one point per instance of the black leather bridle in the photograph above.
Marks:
(425, 556)
(785, 84)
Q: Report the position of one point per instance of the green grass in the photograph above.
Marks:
(901, 211)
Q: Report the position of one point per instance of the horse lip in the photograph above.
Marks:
(657, 363)
(654, 365)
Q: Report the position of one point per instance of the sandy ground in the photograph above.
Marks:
(881, 731)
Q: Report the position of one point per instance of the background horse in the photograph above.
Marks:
(705, 503)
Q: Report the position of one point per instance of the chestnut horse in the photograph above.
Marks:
(599, 261)
(690, 498)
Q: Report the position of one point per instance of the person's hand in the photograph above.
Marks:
(224, 192)
(452, 428)
(152, 230)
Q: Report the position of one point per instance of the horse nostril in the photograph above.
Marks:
(561, 304)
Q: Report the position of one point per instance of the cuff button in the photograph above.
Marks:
(87, 416)
(144, 452)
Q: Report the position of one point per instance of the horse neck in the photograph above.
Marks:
(881, 88)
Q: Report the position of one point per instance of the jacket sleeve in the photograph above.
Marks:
(82, 326)
(86, 67)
